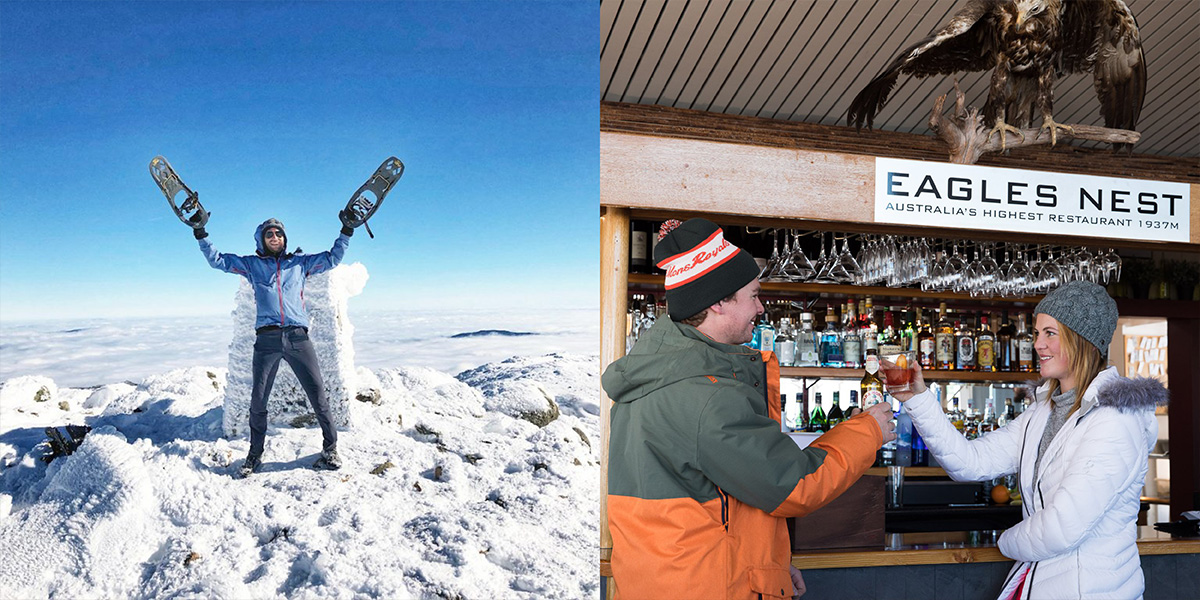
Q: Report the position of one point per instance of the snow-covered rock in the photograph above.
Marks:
(20, 390)
(325, 297)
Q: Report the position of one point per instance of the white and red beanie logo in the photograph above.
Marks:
(699, 261)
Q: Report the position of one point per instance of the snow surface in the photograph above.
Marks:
(478, 500)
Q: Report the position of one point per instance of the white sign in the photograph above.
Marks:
(911, 192)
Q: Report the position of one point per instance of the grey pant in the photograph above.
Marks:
(290, 344)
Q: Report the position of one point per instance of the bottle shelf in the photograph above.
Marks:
(947, 375)
(833, 289)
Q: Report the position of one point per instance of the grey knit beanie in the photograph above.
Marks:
(1086, 309)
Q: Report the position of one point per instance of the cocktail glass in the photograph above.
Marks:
(899, 370)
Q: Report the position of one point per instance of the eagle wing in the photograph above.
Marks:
(1101, 36)
(968, 42)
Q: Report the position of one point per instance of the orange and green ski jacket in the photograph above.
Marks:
(700, 477)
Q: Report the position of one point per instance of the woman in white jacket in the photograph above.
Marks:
(1080, 450)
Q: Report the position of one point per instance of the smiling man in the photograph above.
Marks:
(701, 477)
(277, 277)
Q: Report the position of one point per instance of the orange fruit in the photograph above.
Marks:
(1000, 495)
(902, 361)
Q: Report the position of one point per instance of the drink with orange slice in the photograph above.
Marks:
(900, 377)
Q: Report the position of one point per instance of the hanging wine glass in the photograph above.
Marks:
(824, 265)
(1049, 274)
(1018, 275)
(953, 273)
(770, 270)
(847, 265)
(797, 267)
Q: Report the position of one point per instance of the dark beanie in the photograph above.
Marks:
(702, 267)
(1084, 308)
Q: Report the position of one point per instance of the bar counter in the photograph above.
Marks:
(958, 547)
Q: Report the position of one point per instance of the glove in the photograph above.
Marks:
(348, 223)
(200, 233)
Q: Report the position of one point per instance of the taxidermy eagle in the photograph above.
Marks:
(1027, 44)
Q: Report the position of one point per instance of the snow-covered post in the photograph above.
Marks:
(325, 298)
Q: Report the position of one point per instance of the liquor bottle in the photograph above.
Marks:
(920, 452)
(904, 431)
(1024, 346)
(639, 245)
(801, 413)
(835, 412)
(871, 385)
(964, 342)
(985, 347)
(868, 330)
(1009, 414)
(988, 423)
(957, 418)
(851, 340)
(654, 227)
(908, 334)
(831, 341)
(926, 347)
(807, 348)
(1006, 347)
(853, 404)
(817, 422)
(889, 342)
(764, 335)
(944, 339)
(785, 343)
(783, 413)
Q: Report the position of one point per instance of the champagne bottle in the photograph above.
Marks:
(835, 412)
(817, 422)
(1006, 347)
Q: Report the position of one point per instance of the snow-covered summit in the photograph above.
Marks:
(450, 490)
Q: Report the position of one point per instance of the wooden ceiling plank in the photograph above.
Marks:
(674, 54)
(738, 48)
(634, 53)
(653, 55)
(691, 62)
(813, 56)
(800, 25)
(804, 37)
(614, 46)
(755, 57)
(861, 20)
(861, 68)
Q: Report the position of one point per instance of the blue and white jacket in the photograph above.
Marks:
(278, 281)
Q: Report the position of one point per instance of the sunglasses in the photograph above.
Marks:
(271, 233)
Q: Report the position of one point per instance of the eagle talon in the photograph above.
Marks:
(1048, 123)
(1000, 128)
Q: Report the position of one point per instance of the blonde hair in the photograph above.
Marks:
(1084, 361)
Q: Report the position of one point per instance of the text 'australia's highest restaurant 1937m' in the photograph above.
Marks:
(914, 192)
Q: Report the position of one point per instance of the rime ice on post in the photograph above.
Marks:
(325, 298)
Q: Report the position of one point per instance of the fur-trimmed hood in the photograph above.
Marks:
(1126, 394)
(1130, 394)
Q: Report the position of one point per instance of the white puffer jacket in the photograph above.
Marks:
(1078, 535)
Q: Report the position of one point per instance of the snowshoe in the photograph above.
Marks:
(370, 195)
(189, 211)
(329, 460)
(252, 464)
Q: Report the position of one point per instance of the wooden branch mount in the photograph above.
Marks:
(969, 139)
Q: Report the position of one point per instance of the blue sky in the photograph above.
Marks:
(281, 109)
